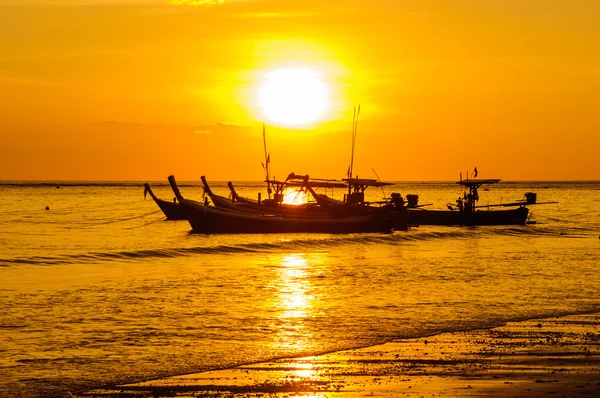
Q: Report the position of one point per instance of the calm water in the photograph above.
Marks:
(97, 289)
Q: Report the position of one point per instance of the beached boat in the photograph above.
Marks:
(466, 211)
(209, 219)
(171, 210)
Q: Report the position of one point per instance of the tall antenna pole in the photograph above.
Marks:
(354, 128)
(352, 145)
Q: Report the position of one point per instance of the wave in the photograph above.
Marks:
(301, 243)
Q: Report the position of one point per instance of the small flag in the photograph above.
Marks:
(348, 172)
(475, 172)
(268, 158)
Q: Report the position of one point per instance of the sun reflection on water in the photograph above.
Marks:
(294, 297)
(304, 370)
(294, 302)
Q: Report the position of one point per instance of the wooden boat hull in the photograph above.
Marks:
(171, 210)
(206, 219)
(516, 216)
(257, 208)
(209, 219)
(245, 205)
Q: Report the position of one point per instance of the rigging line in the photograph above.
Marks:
(151, 222)
(379, 179)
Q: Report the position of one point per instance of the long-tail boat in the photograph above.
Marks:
(209, 219)
(323, 205)
(171, 210)
(467, 212)
(264, 207)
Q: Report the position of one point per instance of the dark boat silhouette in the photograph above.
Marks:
(323, 205)
(171, 210)
(209, 219)
(266, 206)
(466, 211)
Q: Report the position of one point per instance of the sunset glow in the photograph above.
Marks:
(293, 197)
(293, 97)
(93, 85)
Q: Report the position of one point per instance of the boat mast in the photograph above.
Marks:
(267, 162)
(354, 128)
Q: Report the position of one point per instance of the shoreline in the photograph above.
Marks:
(557, 356)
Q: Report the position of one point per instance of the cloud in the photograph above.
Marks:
(197, 2)
(202, 132)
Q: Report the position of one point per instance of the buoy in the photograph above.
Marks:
(47, 208)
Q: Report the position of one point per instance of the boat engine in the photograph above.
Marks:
(530, 198)
(397, 199)
(413, 200)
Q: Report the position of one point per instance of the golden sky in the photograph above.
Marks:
(140, 89)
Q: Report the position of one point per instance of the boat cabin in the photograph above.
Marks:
(470, 197)
(357, 187)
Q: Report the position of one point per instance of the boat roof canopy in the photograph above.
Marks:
(313, 183)
(366, 182)
(470, 183)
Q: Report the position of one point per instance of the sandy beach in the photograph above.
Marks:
(556, 357)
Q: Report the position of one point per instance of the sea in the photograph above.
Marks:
(97, 288)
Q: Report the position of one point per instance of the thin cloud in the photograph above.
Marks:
(250, 15)
(197, 2)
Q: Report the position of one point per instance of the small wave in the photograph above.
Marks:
(301, 243)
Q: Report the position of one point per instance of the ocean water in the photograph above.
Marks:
(99, 289)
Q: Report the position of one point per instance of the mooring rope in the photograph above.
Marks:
(151, 222)
(116, 221)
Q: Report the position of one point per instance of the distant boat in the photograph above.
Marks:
(209, 219)
(171, 210)
(466, 211)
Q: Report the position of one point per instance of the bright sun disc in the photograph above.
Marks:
(293, 97)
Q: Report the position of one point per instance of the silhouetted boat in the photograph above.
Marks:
(264, 207)
(209, 219)
(466, 211)
(323, 205)
(171, 210)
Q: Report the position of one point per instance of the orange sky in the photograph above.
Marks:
(140, 89)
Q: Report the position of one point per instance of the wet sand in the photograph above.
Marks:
(558, 357)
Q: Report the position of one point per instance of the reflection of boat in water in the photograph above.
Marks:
(172, 210)
(209, 219)
(466, 211)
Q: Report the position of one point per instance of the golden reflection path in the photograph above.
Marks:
(295, 302)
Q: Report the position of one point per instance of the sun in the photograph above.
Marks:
(293, 97)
